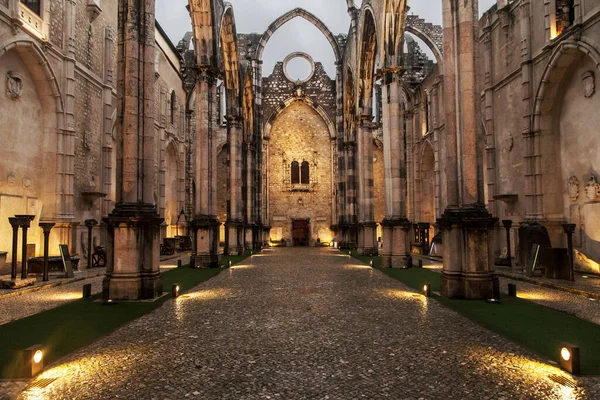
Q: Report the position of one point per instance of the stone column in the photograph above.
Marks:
(90, 223)
(133, 228)
(46, 227)
(24, 221)
(235, 222)
(396, 246)
(367, 234)
(205, 223)
(466, 223)
(15, 223)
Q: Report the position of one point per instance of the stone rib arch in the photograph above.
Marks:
(320, 110)
(432, 35)
(230, 57)
(542, 121)
(287, 17)
(367, 60)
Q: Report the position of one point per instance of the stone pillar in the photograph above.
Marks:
(15, 223)
(205, 222)
(466, 223)
(46, 227)
(367, 233)
(396, 227)
(133, 227)
(24, 221)
(235, 221)
(90, 223)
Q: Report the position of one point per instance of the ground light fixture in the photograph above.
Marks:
(512, 290)
(87, 291)
(175, 289)
(229, 263)
(371, 263)
(427, 290)
(33, 360)
(569, 358)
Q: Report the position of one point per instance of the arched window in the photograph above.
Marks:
(173, 107)
(304, 173)
(295, 173)
(33, 5)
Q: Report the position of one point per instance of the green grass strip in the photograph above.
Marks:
(534, 326)
(72, 326)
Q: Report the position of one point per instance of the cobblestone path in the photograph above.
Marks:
(305, 324)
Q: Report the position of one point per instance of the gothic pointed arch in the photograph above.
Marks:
(287, 17)
(432, 35)
(349, 106)
(231, 64)
(368, 53)
(318, 108)
(393, 41)
(201, 12)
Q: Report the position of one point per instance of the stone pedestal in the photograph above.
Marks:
(467, 254)
(235, 241)
(133, 253)
(396, 243)
(205, 253)
(367, 239)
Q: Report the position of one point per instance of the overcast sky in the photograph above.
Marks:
(297, 35)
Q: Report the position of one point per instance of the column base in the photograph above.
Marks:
(206, 242)
(133, 253)
(468, 286)
(348, 236)
(367, 239)
(468, 261)
(235, 239)
(396, 250)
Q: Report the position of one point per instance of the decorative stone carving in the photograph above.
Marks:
(27, 183)
(508, 144)
(87, 140)
(592, 189)
(573, 188)
(588, 81)
(14, 85)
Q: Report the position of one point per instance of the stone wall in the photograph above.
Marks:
(300, 134)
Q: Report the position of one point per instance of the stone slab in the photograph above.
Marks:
(16, 284)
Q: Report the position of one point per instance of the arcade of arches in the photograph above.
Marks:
(397, 154)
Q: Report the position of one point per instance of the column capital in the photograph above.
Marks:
(47, 226)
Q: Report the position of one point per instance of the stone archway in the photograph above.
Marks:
(32, 134)
(432, 35)
(543, 125)
(285, 18)
(558, 151)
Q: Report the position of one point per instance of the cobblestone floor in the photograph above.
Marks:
(305, 324)
(583, 282)
(580, 306)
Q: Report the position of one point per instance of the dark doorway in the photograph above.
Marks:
(300, 232)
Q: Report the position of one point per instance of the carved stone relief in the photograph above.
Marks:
(588, 81)
(592, 189)
(573, 188)
(87, 140)
(14, 85)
